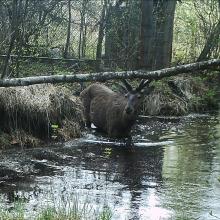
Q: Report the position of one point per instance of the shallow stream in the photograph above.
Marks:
(171, 172)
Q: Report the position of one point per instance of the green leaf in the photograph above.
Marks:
(54, 126)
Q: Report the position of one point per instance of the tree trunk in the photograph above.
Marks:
(101, 35)
(156, 33)
(163, 39)
(67, 46)
(84, 39)
(80, 40)
(18, 51)
(81, 35)
(82, 26)
(146, 36)
(19, 39)
(5, 67)
(109, 45)
(211, 43)
(152, 75)
(14, 30)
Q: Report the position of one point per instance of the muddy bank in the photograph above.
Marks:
(33, 115)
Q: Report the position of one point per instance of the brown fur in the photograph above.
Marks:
(107, 109)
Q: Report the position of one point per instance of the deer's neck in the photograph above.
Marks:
(129, 119)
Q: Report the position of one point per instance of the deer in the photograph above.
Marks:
(112, 112)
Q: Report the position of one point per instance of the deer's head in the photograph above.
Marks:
(134, 96)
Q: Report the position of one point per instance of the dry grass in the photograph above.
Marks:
(40, 111)
(178, 96)
(159, 103)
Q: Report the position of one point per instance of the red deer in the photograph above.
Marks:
(112, 112)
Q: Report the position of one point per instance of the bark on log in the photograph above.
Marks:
(103, 76)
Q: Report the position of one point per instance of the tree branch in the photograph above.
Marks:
(151, 75)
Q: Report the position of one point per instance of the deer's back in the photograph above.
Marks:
(95, 90)
(95, 100)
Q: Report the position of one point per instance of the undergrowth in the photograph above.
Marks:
(68, 210)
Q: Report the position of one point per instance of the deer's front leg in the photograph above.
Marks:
(129, 141)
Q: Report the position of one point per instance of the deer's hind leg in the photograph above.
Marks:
(87, 114)
(86, 109)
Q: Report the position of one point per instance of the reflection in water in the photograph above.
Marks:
(190, 171)
(170, 173)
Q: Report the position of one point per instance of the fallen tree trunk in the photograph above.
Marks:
(103, 76)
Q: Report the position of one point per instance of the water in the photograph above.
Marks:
(171, 171)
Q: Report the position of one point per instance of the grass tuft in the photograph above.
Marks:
(63, 210)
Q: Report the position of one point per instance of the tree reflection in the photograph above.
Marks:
(189, 167)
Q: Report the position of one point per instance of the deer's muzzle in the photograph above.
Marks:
(129, 110)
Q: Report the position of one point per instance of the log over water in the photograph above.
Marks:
(103, 76)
